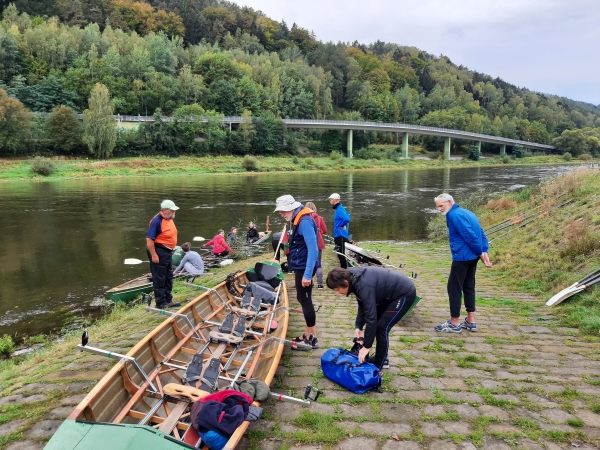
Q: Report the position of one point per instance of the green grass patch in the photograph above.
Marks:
(575, 422)
(527, 424)
(468, 361)
(317, 428)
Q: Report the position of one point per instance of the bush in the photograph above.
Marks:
(474, 153)
(42, 166)
(567, 156)
(505, 159)
(249, 163)
(6, 345)
(335, 156)
(295, 160)
(585, 157)
(520, 152)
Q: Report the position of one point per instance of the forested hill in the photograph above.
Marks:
(165, 54)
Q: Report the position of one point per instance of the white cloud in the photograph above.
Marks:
(545, 45)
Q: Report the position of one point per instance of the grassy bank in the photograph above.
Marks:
(552, 249)
(18, 170)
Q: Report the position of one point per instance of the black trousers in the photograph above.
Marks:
(162, 276)
(304, 296)
(340, 247)
(388, 315)
(461, 282)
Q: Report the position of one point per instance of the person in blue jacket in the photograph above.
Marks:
(341, 219)
(468, 244)
(302, 257)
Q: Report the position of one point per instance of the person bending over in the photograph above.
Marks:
(384, 297)
(220, 247)
(192, 261)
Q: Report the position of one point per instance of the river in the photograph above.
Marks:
(63, 243)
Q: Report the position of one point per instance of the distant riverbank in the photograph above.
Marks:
(21, 170)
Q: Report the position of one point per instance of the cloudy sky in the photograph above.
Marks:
(550, 46)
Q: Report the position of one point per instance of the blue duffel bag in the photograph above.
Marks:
(342, 367)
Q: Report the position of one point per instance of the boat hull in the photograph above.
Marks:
(123, 401)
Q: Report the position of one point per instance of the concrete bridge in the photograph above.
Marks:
(130, 122)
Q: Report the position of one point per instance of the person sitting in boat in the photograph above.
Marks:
(232, 238)
(252, 234)
(384, 297)
(192, 261)
(220, 247)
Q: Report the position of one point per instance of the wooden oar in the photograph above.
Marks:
(584, 283)
(280, 241)
(198, 239)
(133, 261)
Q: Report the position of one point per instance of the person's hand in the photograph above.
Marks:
(362, 354)
(486, 260)
(306, 282)
(343, 228)
(155, 258)
(358, 333)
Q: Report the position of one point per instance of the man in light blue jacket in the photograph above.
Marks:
(341, 219)
(468, 244)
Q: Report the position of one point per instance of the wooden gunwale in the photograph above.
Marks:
(184, 345)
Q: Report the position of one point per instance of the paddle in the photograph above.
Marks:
(280, 241)
(133, 261)
(198, 239)
(584, 283)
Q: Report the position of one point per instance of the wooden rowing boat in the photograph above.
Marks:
(143, 401)
(129, 290)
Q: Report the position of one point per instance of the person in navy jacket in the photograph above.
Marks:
(468, 244)
(303, 255)
(341, 219)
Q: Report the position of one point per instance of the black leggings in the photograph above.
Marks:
(388, 315)
(462, 281)
(340, 247)
(304, 296)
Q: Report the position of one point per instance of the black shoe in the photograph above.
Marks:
(386, 364)
(320, 286)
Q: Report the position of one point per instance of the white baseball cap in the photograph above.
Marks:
(334, 196)
(169, 204)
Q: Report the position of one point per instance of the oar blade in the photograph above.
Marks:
(198, 239)
(226, 262)
(132, 261)
(564, 294)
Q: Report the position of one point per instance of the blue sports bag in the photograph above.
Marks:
(342, 367)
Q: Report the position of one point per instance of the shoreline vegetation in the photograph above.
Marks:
(55, 168)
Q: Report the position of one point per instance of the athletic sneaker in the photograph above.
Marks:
(386, 364)
(471, 326)
(312, 341)
(305, 343)
(447, 327)
(320, 286)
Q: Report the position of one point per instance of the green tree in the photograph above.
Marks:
(99, 125)
(247, 128)
(15, 123)
(63, 130)
(572, 141)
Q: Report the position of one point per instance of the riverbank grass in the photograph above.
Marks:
(18, 170)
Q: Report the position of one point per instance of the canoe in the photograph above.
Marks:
(142, 402)
(129, 290)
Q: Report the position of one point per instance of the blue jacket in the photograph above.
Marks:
(303, 244)
(340, 219)
(467, 239)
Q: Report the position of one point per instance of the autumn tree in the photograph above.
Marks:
(63, 130)
(15, 123)
(99, 124)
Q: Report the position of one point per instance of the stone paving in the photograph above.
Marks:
(520, 382)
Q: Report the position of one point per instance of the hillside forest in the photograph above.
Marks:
(210, 58)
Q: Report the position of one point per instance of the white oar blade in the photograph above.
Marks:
(564, 294)
(198, 238)
(226, 262)
(132, 261)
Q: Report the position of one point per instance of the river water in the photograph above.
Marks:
(63, 243)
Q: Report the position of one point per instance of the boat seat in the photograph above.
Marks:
(215, 336)
(180, 390)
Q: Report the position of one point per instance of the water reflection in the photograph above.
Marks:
(63, 243)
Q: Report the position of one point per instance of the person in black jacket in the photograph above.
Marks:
(384, 297)
(252, 234)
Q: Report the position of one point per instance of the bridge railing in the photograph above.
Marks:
(348, 124)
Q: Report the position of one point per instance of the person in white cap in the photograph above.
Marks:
(303, 253)
(161, 240)
(341, 219)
